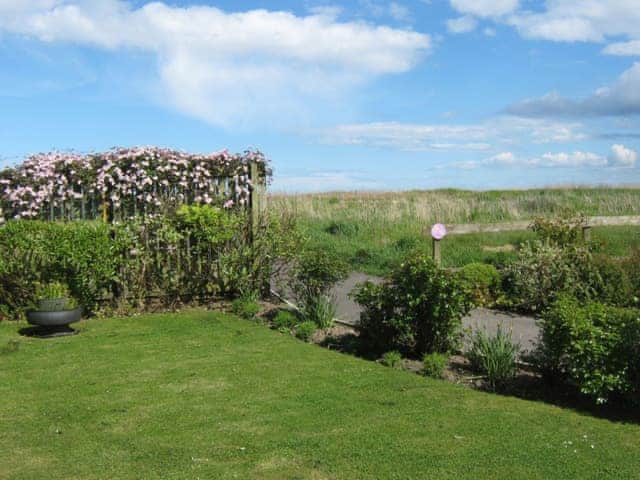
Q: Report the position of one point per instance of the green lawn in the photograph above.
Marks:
(204, 395)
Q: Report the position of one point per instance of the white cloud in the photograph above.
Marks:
(399, 12)
(619, 99)
(480, 136)
(623, 156)
(580, 20)
(629, 49)
(489, 32)
(224, 67)
(575, 159)
(485, 8)
(462, 24)
(620, 156)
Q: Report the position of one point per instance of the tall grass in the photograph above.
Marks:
(374, 230)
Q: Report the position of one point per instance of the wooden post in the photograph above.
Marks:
(586, 233)
(256, 197)
(436, 254)
(104, 207)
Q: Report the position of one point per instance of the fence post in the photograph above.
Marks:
(256, 197)
(586, 233)
(437, 255)
(104, 207)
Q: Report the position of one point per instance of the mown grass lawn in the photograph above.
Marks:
(205, 395)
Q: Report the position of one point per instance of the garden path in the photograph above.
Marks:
(524, 329)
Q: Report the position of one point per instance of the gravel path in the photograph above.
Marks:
(523, 328)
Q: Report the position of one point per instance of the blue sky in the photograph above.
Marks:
(364, 94)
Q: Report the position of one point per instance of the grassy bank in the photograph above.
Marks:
(372, 231)
(204, 395)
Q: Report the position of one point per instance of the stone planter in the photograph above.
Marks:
(54, 323)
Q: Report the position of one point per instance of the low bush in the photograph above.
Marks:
(305, 330)
(315, 272)
(614, 286)
(79, 254)
(544, 270)
(495, 357)
(593, 346)
(482, 281)
(631, 266)
(434, 364)
(391, 359)
(245, 308)
(563, 230)
(417, 310)
(284, 321)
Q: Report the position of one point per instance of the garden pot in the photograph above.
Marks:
(54, 318)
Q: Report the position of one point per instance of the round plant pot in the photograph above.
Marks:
(59, 318)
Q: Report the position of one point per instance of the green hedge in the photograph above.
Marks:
(197, 253)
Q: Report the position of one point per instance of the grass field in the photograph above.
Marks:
(204, 395)
(373, 231)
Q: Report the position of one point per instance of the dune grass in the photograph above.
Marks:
(373, 231)
(205, 395)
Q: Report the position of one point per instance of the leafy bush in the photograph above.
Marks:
(562, 231)
(543, 270)
(305, 330)
(434, 364)
(594, 346)
(482, 281)
(313, 276)
(284, 321)
(631, 266)
(245, 308)
(494, 357)
(195, 255)
(614, 286)
(391, 359)
(80, 254)
(52, 290)
(417, 310)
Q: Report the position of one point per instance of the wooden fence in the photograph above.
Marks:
(469, 228)
(96, 206)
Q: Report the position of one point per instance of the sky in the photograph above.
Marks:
(340, 95)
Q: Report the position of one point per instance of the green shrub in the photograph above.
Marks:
(434, 364)
(417, 310)
(245, 308)
(79, 254)
(313, 276)
(614, 286)
(52, 290)
(495, 357)
(196, 254)
(305, 331)
(482, 281)
(631, 266)
(284, 321)
(544, 270)
(391, 359)
(563, 231)
(594, 346)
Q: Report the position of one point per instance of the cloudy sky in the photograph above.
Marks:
(341, 95)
